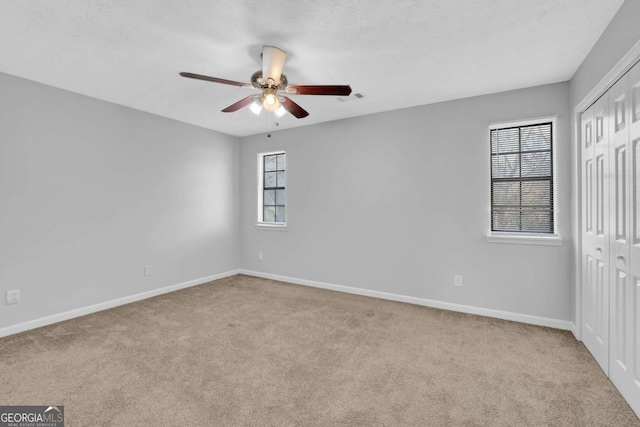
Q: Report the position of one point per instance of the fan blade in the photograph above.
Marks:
(272, 63)
(238, 105)
(338, 90)
(294, 108)
(214, 79)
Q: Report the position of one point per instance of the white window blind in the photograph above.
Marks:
(273, 182)
(522, 179)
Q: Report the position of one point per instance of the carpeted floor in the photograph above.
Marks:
(248, 351)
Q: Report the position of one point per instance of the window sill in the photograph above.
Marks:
(525, 239)
(271, 226)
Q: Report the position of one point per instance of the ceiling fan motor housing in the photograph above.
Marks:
(258, 82)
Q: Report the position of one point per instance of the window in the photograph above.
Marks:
(271, 192)
(522, 178)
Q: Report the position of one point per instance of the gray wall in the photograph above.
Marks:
(399, 202)
(90, 192)
(618, 38)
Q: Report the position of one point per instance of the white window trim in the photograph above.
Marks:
(529, 238)
(260, 224)
(272, 226)
(525, 238)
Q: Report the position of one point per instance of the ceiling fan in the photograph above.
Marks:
(274, 86)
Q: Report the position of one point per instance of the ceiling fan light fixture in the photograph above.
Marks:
(281, 111)
(270, 100)
(256, 106)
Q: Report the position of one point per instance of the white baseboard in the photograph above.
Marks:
(506, 315)
(576, 331)
(55, 318)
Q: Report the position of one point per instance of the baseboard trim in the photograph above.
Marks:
(55, 318)
(498, 314)
(576, 332)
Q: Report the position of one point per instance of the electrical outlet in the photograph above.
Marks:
(147, 270)
(260, 256)
(457, 280)
(13, 296)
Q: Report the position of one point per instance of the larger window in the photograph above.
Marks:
(522, 178)
(272, 196)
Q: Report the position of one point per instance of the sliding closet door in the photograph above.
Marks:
(595, 245)
(625, 237)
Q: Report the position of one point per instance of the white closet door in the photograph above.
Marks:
(595, 245)
(625, 237)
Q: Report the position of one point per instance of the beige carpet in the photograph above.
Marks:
(248, 351)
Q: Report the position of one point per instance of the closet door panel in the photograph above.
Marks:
(628, 380)
(595, 229)
(600, 234)
(625, 238)
(619, 217)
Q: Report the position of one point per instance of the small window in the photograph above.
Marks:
(271, 194)
(522, 187)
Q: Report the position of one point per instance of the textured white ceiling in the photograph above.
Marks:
(397, 53)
